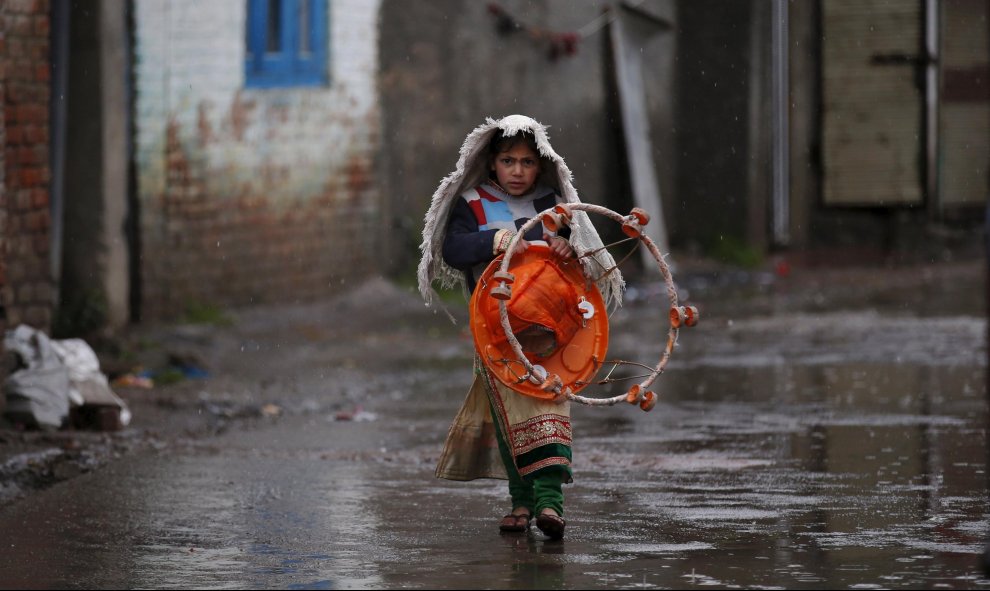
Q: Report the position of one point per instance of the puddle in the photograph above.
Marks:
(844, 451)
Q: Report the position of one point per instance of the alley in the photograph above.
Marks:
(793, 446)
(219, 222)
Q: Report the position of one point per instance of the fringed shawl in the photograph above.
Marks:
(472, 169)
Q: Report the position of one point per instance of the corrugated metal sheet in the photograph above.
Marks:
(872, 112)
(965, 114)
(964, 38)
(965, 153)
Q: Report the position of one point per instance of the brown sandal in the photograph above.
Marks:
(515, 523)
(551, 525)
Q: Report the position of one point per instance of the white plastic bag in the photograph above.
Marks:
(38, 393)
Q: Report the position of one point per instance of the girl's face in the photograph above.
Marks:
(516, 169)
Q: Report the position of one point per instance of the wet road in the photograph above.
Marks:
(844, 449)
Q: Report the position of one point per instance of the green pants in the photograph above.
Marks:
(535, 492)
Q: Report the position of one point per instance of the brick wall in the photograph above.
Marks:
(25, 275)
(251, 195)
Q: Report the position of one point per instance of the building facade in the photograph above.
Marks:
(254, 189)
(165, 155)
(827, 131)
(26, 286)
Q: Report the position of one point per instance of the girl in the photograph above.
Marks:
(506, 174)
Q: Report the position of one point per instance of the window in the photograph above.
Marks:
(286, 43)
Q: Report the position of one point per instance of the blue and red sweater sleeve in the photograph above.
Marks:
(465, 246)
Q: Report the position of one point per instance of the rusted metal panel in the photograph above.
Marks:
(966, 85)
(872, 105)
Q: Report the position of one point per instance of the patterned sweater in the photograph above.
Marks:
(480, 214)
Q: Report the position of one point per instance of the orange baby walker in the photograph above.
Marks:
(540, 324)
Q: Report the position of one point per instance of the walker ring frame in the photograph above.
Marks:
(678, 316)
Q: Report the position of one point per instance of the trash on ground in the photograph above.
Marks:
(129, 380)
(59, 381)
(189, 364)
(358, 415)
(96, 406)
(181, 366)
(37, 393)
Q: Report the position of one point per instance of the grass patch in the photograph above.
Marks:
(731, 250)
(200, 313)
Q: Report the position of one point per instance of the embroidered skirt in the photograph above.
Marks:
(538, 432)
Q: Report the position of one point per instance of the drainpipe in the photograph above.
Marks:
(57, 125)
(781, 207)
(133, 221)
(930, 61)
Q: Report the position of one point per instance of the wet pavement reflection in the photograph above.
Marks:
(784, 453)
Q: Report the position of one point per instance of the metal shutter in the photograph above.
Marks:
(872, 106)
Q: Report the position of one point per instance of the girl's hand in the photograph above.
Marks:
(560, 246)
(521, 247)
